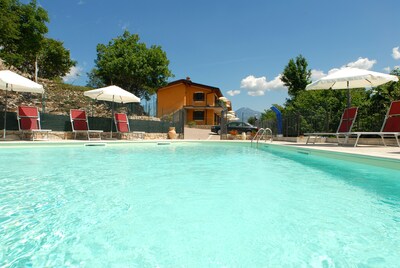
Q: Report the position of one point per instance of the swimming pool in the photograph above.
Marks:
(194, 205)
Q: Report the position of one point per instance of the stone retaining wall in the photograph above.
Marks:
(60, 135)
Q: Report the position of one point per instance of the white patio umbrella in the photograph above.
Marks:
(113, 94)
(10, 81)
(351, 78)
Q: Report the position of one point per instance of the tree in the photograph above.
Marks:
(9, 29)
(372, 116)
(269, 114)
(131, 65)
(53, 59)
(32, 27)
(295, 76)
(22, 31)
(396, 71)
(252, 120)
(23, 42)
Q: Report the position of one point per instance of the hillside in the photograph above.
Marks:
(59, 98)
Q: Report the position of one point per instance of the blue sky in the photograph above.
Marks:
(239, 46)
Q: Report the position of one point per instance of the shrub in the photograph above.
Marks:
(191, 123)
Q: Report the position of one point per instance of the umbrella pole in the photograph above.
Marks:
(348, 95)
(5, 114)
(347, 115)
(112, 118)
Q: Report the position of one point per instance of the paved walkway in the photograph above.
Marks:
(200, 134)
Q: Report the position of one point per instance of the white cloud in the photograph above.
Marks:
(233, 92)
(256, 86)
(276, 84)
(362, 63)
(253, 83)
(387, 69)
(73, 74)
(317, 74)
(256, 93)
(396, 53)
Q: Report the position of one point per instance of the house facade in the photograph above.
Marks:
(200, 102)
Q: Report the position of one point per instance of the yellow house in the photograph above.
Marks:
(200, 102)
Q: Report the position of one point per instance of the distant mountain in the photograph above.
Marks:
(244, 113)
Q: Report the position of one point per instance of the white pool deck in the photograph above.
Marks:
(366, 150)
(389, 152)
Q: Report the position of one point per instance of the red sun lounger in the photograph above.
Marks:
(346, 123)
(79, 123)
(123, 128)
(29, 122)
(390, 127)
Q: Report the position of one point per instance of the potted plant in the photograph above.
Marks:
(233, 132)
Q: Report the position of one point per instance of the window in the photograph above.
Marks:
(198, 115)
(198, 96)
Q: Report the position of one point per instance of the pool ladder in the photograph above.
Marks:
(262, 132)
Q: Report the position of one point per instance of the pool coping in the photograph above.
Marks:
(366, 159)
(388, 157)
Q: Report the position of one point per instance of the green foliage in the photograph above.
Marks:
(269, 114)
(382, 96)
(131, 65)
(191, 124)
(32, 27)
(9, 31)
(28, 32)
(396, 71)
(251, 120)
(54, 60)
(321, 110)
(295, 76)
(22, 40)
(372, 112)
(68, 87)
(94, 80)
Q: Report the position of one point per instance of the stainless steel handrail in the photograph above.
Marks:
(263, 132)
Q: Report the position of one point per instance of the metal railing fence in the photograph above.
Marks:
(294, 125)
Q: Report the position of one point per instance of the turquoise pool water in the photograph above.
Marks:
(194, 205)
